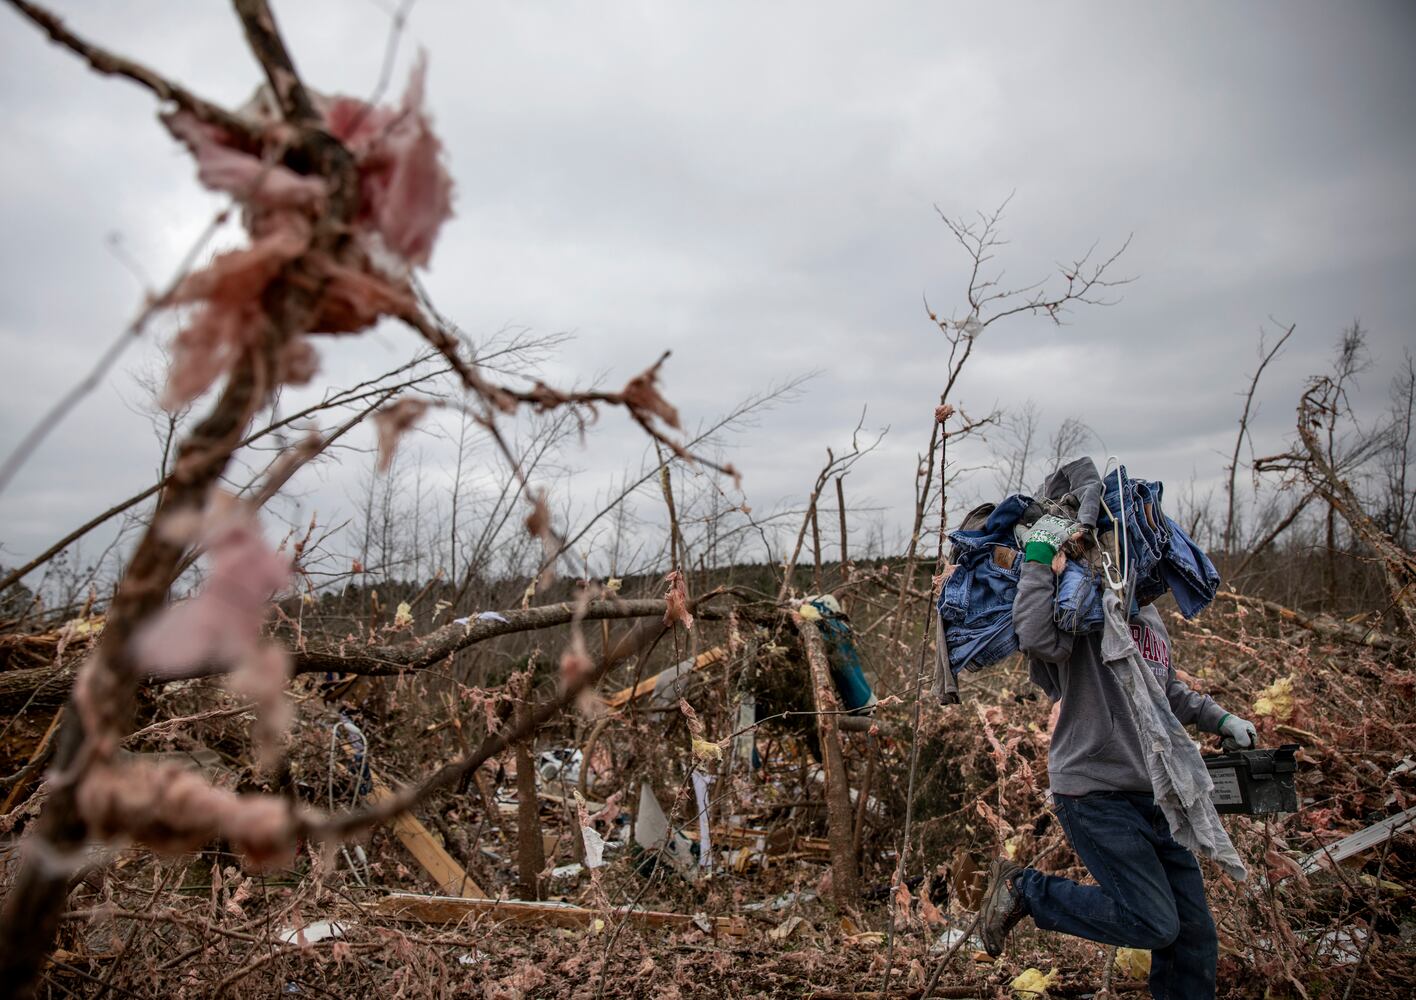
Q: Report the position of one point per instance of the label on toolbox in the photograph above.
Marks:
(1226, 787)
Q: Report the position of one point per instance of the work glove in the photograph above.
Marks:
(1049, 533)
(1239, 734)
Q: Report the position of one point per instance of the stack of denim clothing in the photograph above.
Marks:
(1162, 557)
(976, 602)
(1078, 605)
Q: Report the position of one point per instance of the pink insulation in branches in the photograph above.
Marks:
(222, 623)
(232, 318)
(171, 808)
(247, 178)
(262, 677)
(407, 193)
(355, 299)
(641, 394)
(575, 661)
(405, 197)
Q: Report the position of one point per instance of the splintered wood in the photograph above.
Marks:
(445, 872)
(453, 910)
(646, 687)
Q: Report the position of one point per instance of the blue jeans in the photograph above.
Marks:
(1162, 556)
(1077, 608)
(1188, 572)
(974, 647)
(1150, 893)
(976, 604)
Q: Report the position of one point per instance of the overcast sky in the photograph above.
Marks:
(753, 186)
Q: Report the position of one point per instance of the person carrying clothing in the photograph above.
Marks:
(1149, 892)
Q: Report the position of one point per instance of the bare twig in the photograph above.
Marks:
(918, 709)
(105, 362)
(1264, 358)
(111, 64)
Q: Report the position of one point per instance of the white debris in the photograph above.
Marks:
(953, 936)
(310, 933)
(559, 765)
(781, 902)
(1343, 945)
(652, 832)
(701, 782)
(651, 826)
(594, 847)
(743, 741)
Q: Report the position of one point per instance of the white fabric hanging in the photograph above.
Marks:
(701, 782)
(1180, 781)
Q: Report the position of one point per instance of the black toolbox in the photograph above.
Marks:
(1254, 781)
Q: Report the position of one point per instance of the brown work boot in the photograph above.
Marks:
(1002, 906)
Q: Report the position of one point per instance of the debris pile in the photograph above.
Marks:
(686, 827)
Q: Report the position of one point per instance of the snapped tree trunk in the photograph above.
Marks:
(1398, 565)
(840, 833)
(530, 852)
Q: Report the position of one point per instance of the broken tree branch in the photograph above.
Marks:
(110, 678)
(845, 881)
(1399, 566)
(452, 637)
(48, 687)
(102, 61)
(1323, 625)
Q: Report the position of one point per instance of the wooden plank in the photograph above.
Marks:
(1362, 840)
(445, 872)
(509, 808)
(452, 910)
(741, 836)
(646, 687)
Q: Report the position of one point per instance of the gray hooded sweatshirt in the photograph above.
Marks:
(1096, 746)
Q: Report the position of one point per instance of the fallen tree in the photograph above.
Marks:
(48, 687)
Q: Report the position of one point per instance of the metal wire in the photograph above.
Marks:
(1120, 537)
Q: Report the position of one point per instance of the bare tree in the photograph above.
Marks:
(1351, 360)
(1324, 404)
(1398, 507)
(1265, 356)
(1017, 433)
(1069, 440)
(1085, 280)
